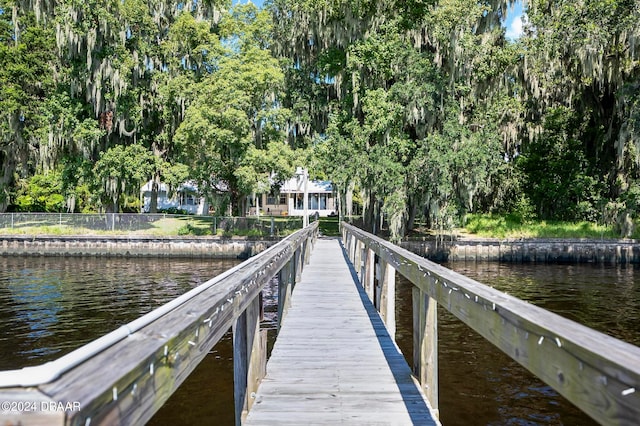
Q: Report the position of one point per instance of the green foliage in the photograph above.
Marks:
(41, 193)
(419, 110)
(560, 181)
(119, 171)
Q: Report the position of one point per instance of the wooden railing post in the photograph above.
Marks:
(297, 256)
(352, 248)
(307, 250)
(369, 272)
(388, 297)
(425, 344)
(362, 270)
(377, 287)
(249, 358)
(357, 258)
(285, 279)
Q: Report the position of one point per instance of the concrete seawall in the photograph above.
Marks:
(134, 246)
(530, 250)
(482, 250)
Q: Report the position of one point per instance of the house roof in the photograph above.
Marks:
(313, 186)
(186, 186)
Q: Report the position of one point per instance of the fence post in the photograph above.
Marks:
(249, 358)
(388, 297)
(425, 344)
(273, 226)
(12, 220)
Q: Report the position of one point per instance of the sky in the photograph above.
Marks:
(514, 21)
(256, 2)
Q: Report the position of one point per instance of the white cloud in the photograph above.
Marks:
(514, 30)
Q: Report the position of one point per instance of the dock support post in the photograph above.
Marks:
(285, 278)
(425, 344)
(249, 358)
(388, 297)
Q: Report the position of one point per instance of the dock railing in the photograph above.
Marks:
(596, 372)
(125, 376)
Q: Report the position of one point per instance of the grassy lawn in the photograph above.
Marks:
(329, 226)
(507, 226)
(478, 225)
(169, 227)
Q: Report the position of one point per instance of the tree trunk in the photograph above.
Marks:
(413, 212)
(155, 185)
(369, 217)
(349, 199)
(8, 166)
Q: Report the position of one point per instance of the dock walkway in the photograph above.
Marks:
(334, 361)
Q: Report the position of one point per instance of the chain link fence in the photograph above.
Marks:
(151, 223)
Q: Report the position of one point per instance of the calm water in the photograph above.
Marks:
(50, 306)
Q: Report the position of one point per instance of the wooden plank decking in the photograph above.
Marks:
(334, 361)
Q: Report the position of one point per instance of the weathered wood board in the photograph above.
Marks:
(334, 361)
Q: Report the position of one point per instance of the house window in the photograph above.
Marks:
(313, 201)
(187, 199)
(283, 199)
(299, 205)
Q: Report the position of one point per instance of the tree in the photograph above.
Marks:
(119, 171)
(231, 132)
(581, 75)
(26, 57)
(397, 71)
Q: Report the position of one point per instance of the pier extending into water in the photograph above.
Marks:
(334, 360)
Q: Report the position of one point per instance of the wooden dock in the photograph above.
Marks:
(334, 361)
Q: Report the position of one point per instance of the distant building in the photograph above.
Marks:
(290, 200)
(186, 197)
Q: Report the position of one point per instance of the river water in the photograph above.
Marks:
(50, 306)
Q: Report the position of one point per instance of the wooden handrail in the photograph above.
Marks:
(126, 383)
(596, 372)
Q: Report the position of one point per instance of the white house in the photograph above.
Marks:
(186, 198)
(290, 200)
